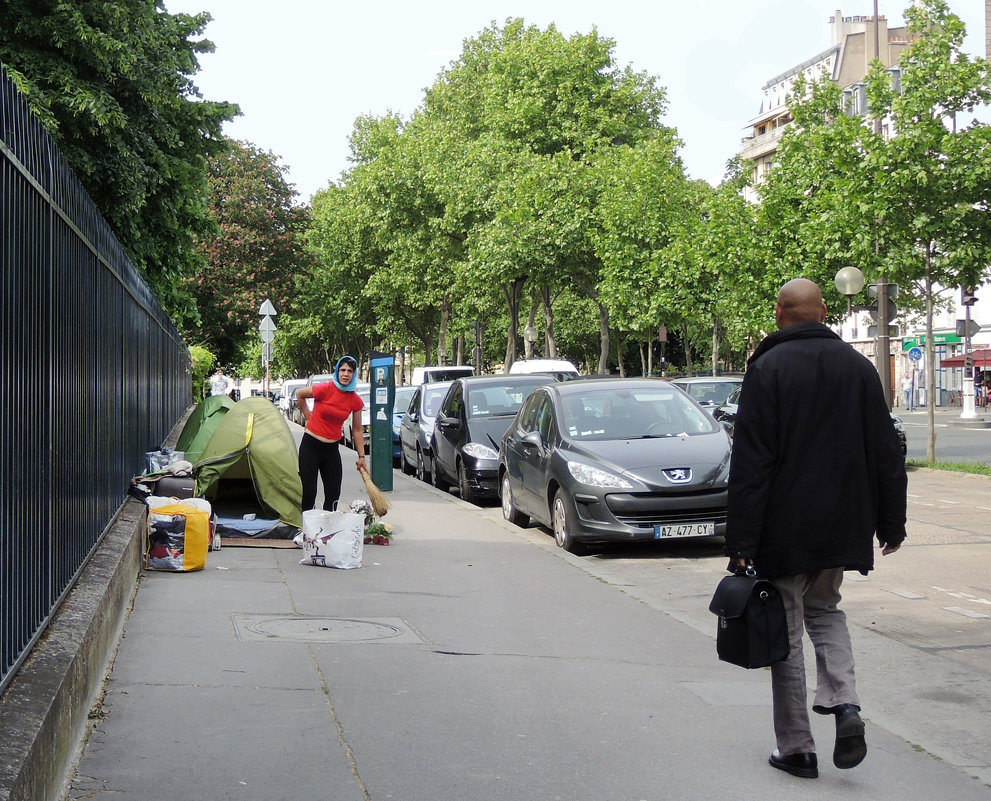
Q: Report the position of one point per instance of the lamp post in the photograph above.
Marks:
(849, 281)
(530, 335)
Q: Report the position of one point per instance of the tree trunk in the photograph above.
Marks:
(445, 317)
(603, 340)
(688, 349)
(512, 292)
(715, 346)
(619, 356)
(644, 358)
(549, 341)
(531, 319)
(930, 366)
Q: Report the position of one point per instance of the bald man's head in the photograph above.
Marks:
(799, 301)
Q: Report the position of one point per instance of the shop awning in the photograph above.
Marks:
(982, 358)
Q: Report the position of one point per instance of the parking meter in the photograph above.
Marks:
(382, 398)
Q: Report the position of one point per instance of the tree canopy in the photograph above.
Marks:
(112, 83)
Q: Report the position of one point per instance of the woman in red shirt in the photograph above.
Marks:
(319, 450)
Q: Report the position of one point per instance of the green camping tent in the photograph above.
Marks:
(252, 456)
(201, 424)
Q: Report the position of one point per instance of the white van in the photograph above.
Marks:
(561, 369)
(428, 375)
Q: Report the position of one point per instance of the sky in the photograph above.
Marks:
(302, 71)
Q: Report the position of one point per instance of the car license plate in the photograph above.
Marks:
(685, 530)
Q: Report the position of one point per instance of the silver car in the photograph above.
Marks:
(417, 427)
(710, 390)
(615, 461)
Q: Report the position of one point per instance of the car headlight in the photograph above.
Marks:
(478, 451)
(596, 477)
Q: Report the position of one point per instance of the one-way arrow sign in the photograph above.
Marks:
(967, 328)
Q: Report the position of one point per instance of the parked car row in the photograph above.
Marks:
(624, 460)
(595, 461)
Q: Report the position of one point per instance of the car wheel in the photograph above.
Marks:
(561, 521)
(421, 468)
(509, 510)
(437, 480)
(467, 493)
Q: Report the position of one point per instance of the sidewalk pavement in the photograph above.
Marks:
(460, 662)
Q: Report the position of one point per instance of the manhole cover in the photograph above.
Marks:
(323, 629)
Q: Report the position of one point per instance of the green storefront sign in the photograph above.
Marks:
(938, 339)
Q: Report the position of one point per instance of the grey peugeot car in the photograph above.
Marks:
(615, 461)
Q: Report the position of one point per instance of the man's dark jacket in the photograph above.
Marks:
(817, 469)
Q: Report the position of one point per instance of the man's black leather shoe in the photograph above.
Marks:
(851, 746)
(805, 766)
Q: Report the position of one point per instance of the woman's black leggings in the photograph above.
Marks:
(323, 458)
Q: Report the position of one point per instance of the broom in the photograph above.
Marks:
(375, 495)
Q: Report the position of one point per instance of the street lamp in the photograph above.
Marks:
(849, 281)
(530, 335)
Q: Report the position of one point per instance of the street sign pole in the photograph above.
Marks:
(883, 339)
(968, 410)
(267, 331)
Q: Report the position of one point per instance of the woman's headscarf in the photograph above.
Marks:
(354, 376)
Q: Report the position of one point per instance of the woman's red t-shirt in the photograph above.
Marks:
(331, 408)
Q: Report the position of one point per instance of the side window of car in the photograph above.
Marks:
(454, 403)
(528, 414)
(545, 418)
(414, 404)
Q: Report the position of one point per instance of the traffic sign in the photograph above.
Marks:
(267, 309)
(967, 328)
(915, 354)
(892, 310)
(892, 291)
(892, 330)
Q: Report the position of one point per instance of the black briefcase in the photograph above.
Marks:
(752, 630)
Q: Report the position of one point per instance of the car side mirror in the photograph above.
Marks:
(533, 439)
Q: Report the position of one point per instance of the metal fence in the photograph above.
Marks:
(92, 375)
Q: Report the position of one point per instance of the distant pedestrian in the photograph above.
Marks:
(907, 386)
(219, 383)
(816, 472)
(319, 449)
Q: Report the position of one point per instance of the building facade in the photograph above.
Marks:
(846, 62)
(856, 42)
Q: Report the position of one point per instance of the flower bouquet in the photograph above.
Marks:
(378, 533)
(363, 507)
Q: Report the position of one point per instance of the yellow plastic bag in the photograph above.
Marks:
(178, 538)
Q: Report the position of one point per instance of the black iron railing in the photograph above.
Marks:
(92, 375)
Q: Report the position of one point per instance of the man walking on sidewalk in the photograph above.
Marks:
(816, 472)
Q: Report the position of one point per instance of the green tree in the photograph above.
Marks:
(519, 119)
(910, 206)
(112, 82)
(255, 254)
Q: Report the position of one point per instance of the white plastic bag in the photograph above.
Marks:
(332, 539)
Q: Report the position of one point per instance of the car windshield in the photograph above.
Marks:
(494, 400)
(710, 392)
(605, 413)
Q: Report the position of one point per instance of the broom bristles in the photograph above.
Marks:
(375, 495)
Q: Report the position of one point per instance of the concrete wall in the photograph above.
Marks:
(45, 710)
